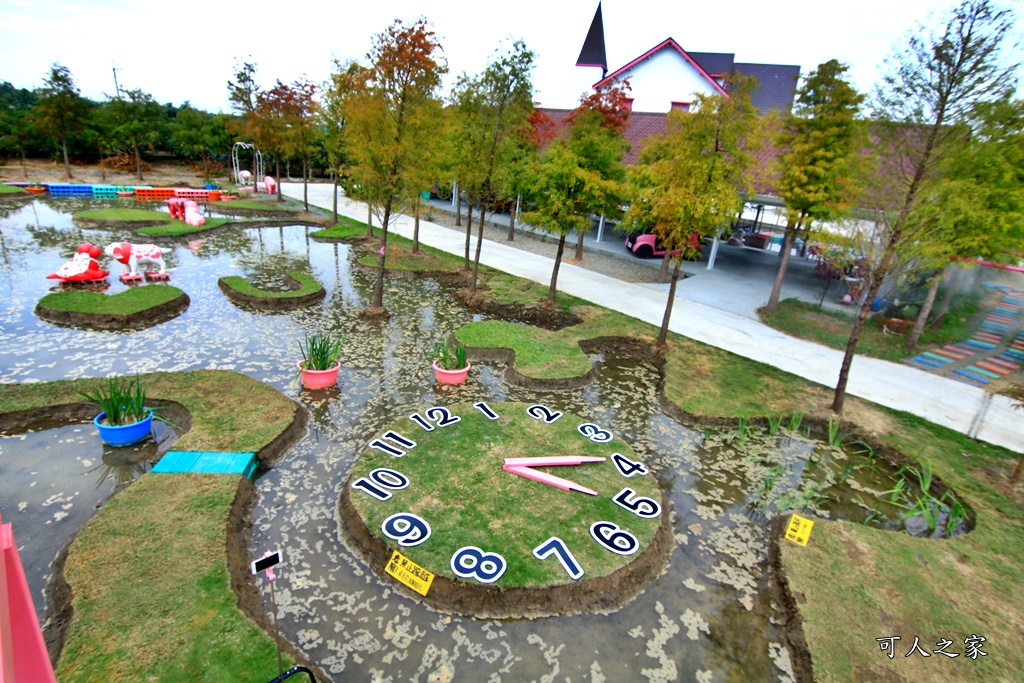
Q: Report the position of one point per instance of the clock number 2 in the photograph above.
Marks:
(646, 508)
(442, 417)
(542, 412)
(382, 478)
(406, 528)
(556, 546)
(594, 433)
(614, 538)
(383, 446)
(626, 466)
(472, 563)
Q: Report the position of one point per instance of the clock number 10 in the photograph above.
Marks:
(380, 479)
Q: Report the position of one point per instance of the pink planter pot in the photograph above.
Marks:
(451, 376)
(318, 379)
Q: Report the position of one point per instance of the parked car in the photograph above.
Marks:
(648, 245)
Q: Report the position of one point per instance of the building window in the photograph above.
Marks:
(680, 106)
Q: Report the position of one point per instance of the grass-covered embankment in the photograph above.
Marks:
(128, 302)
(145, 221)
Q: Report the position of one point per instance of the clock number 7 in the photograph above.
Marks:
(556, 546)
(385, 447)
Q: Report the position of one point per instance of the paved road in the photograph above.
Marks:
(944, 401)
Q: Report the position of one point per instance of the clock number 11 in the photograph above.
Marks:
(397, 438)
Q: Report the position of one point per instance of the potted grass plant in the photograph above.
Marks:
(319, 365)
(124, 418)
(450, 364)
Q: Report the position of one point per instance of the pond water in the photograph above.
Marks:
(707, 618)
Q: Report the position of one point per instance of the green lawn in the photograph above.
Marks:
(308, 285)
(132, 300)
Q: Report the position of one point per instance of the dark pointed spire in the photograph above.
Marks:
(592, 53)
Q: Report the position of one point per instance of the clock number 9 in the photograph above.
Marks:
(627, 467)
(542, 412)
(406, 528)
(594, 433)
(388, 479)
(472, 563)
(639, 506)
(556, 546)
(614, 538)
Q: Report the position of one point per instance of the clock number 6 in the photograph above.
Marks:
(594, 433)
(639, 506)
(472, 563)
(556, 546)
(542, 412)
(382, 477)
(614, 538)
(406, 528)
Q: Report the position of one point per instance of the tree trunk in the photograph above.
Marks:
(469, 232)
(787, 248)
(416, 227)
(512, 220)
(947, 296)
(277, 173)
(458, 207)
(305, 184)
(138, 163)
(378, 287)
(554, 273)
(103, 167)
(206, 165)
(579, 244)
(663, 335)
(1015, 479)
(922, 318)
(24, 167)
(663, 271)
(479, 245)
(67, 162)
(369, 219)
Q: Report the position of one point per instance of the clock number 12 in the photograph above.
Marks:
(442, 417)
(556, 546)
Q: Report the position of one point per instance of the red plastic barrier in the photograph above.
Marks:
(23, 656)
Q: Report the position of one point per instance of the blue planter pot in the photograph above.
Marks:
(124, 435)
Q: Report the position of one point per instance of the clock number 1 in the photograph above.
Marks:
(385, 447)
(556, 546)
(442, 417)
(382, 478)
(486, 410)
(542, 412)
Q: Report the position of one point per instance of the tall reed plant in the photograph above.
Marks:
(320, 351)
(123, 399)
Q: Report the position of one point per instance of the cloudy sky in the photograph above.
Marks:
(187, 50)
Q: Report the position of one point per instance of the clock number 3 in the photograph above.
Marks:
(442, 417)
(542, 412)
(472, 563)
(385, 447)
(556, 546)
(406, 528)
(594, 433)
(614, 538)
(380, 479)
(646, 508)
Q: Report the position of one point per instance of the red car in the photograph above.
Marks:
(647, 245)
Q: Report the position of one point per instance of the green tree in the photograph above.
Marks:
(244, 94)
(137, 122)
(60, 110)
(196, 134)
(347, 79)
(491, 108)
(820, 142)
(938, 77)
(688, 182)
(391, 121)
(300, 130)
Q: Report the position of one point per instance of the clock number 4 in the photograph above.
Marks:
(382, 478)
(472, 563)
(594, 433)
(542, 412)
(646, 508)
(626, 466)
(442, 417)
(556, 546)
(614, 538)
(385, 447)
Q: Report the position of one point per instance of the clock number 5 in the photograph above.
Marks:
(542, 412)
(594, 433)
(382, 478)
(639, 506)
(614, 538)
(556, 546)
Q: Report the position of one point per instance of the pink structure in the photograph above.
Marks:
(270, 184)
(524, 468)
(23, 655)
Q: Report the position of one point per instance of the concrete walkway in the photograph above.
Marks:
(968, 410)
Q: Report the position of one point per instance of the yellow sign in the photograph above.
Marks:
(799, 529)
(409, 573)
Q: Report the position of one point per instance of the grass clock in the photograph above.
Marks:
(513, 510)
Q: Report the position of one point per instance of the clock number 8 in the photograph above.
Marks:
(472, 563)
(646, 508)
(594, 433)
(614, 538)
(406, 528)
(542, 412)
(388, 479)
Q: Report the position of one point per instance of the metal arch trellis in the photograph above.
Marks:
(257, 162)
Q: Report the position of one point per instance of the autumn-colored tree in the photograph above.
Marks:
(687, 184)
(60, 110)
(491, 108)
(301, 130)
(820, 143)
(391, 121)
(539, 131)
(244, 94)
(347, 79)
(137, 121)
(936, 79)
